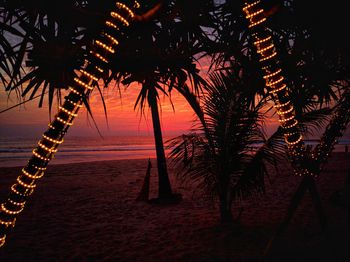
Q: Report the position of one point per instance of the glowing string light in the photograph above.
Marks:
(75, 91)
(74, 103)
(104, 46)
(27, 174)
(81, 83)
(136, 4)
(63, 121)
(35, 153)
(276, 90)
(91, 76)
(30, 186)
(260, 41)
(272, 74)
(110, 24)
(271, 84)
(9, 212)
(53, 140)
(120, 18)
(268, 57)
(115, 41)
(20, 204)
(99, 69)
(123, 6)
(68, 112)
(22, 189)
(99, 56)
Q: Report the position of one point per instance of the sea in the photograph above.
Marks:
(16, 151)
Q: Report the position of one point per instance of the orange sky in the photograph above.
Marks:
(29, 120)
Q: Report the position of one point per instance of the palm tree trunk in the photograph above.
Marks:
(81, 88)
(164, 187)
(225, 211)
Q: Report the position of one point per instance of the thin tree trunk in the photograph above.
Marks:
(164, 187)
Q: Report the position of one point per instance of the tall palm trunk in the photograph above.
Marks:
(164, 187)
(80, 88)
(225, 210)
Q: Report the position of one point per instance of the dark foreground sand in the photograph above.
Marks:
(88, 212)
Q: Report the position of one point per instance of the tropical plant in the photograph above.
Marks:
(222, 160)
(158, 51)
(161, 55)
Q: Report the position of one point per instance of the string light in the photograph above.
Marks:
(27, 174)
(268, 57)
(274, 79)
(272, 74)
(7, 223)
(9, 212)
(51, 126)
(67, 111)
(120, 18)
(81, 83)
(20, 204)
(285, 112)
(136, 4)
(74, 103)
(75, 91)
(22, 189)
(115, 41)
(110, 24)
(286, 119)
(271, 84)
(104, 46)
(63, 121)
(91, 76)
(28, 191)
(99, 69)
(276, 90)
(262, 50)
(2, 240)
(248, 6)
(40, 156)
(255, 13)
(260, 41)
(39, 168)
(30, 186)
(257, 23)
(122, 6)
(282, 105)
(53, 140)
(99, 57)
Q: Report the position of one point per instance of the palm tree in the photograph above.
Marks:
(228, 167)
(177, 36)
(160, 54)
(81, 86)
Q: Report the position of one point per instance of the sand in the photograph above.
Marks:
(88, 212)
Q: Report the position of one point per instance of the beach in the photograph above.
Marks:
(88, 212)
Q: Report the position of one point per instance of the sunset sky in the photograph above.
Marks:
(29, 120)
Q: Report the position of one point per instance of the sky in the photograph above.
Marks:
(30, 121)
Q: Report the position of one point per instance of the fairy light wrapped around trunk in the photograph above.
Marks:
(97, 60)
(275, 83)
(335, 129)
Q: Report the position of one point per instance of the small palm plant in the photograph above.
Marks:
(224, 159)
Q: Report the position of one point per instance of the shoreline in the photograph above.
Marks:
(133, 158)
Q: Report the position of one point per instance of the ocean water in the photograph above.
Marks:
(17, 151)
